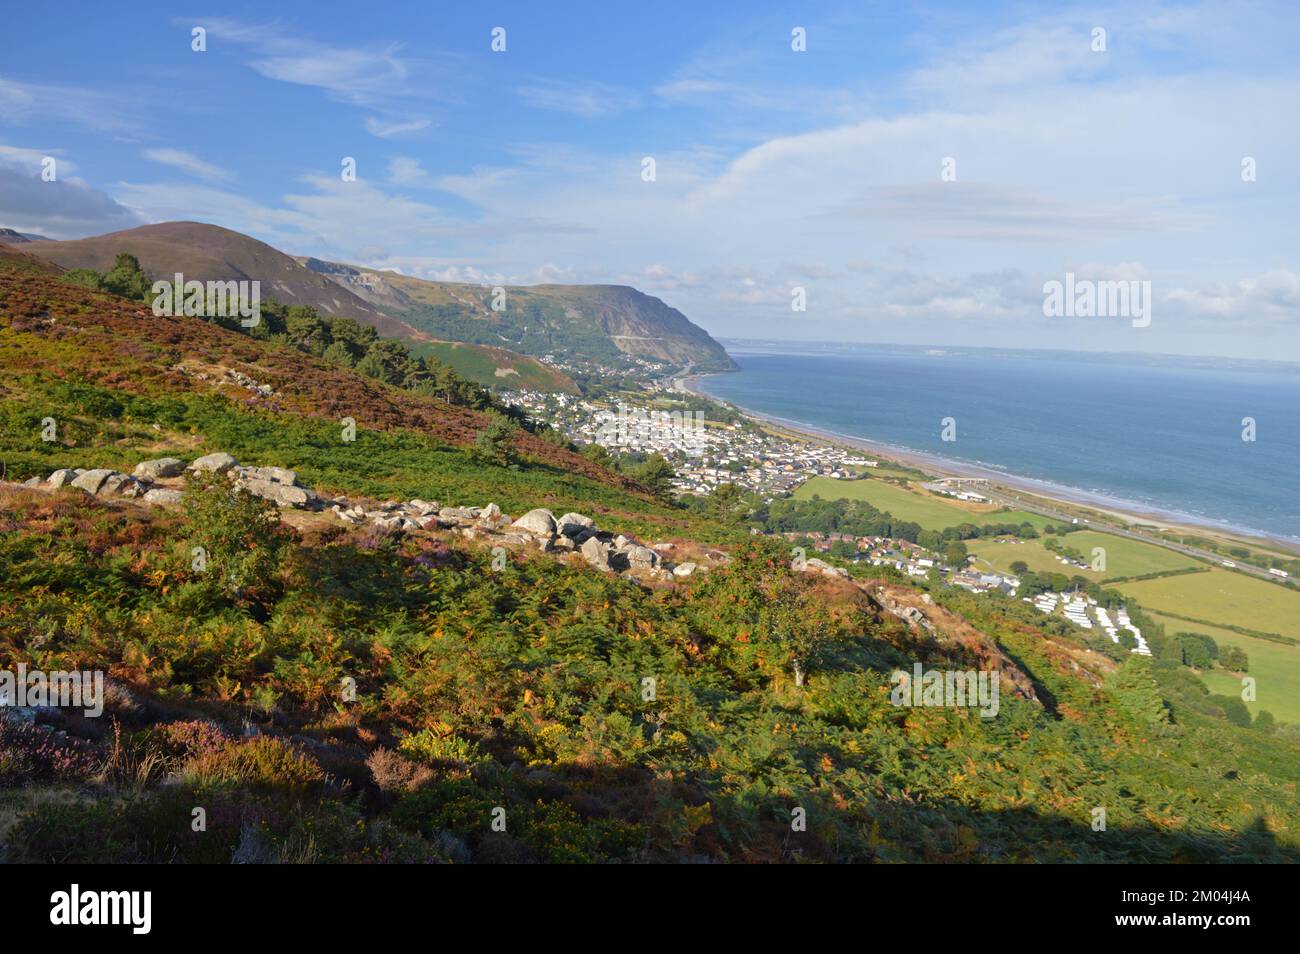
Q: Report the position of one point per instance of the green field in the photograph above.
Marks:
(1276, 668)
(1222, 596)
(930, 512)
(495, 367)
(1124, 557)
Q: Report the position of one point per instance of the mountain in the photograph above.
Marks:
(211, 253)
(10, 237)
(604, 323)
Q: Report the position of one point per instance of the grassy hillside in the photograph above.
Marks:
(206, 252)
(1274, 666)
(335, 693)
(497, 367)
(1223, 597)
(1124, 557)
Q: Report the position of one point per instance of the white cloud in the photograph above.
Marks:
(30, 160)
(405, 171)
(187, 162)
(390, 129)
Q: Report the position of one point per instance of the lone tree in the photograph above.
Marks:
(496, 442)
(656, 475)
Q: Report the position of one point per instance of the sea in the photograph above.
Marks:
(1159, 435)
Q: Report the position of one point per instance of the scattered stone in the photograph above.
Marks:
(596, 553)
(684, 569)
(218, 463)
(162, 467)
(539, 521)
(275, 475)
(642, 556)
(91, 480)
(32, 482)
(132, 488)
(162, 495)
(572, 524)
(283, 495)
(492, 517)
(814, 565)
(112, 484)
(61, 478)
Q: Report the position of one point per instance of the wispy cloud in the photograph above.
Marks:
(579, 98)
(187, 162)
(381, 78)
(20, 103)
(405, 171)
(389, 129)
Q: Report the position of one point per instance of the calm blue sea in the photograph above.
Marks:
(1157, 434)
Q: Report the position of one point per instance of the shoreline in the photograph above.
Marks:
(1126, 512)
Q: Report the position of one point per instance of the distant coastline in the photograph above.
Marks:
(1126, 511)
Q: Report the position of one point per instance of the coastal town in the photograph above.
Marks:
(706, 454)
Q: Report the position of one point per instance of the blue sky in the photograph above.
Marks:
(775, 169)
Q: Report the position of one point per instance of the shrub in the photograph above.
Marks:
(261, 763)
(439, 745)
(241, 535)
(30, 753)
(394, 774)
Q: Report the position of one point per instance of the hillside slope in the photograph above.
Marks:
(597, 322)
(59, 339)
(371, 693)
(210, 253)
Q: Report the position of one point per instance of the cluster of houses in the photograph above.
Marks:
(704, 455)
(1084, 612)
(914, 560)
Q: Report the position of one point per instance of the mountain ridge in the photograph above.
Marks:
(600, 322)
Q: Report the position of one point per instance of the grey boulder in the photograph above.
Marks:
(283, 495)
(537, 521)
(596, 553)
(61, 478)
(218, 463)
(91, 480)
(162, 467)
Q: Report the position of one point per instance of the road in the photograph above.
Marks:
(1020, 503)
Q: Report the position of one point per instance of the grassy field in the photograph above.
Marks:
(929, 511)
(1124, 557)
(495, 367)
(1276, 668)
(1221, 596)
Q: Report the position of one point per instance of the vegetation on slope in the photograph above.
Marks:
(341, 694)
